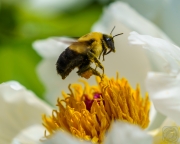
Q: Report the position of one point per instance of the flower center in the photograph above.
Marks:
(89, 102)
(88, 112)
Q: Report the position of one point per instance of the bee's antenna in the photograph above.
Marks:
(112, 30)
(117, 35)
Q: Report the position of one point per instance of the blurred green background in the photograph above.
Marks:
(20, 26)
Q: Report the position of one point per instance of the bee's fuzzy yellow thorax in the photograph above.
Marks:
(93, 35)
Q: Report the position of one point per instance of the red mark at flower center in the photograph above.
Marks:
(89, 102)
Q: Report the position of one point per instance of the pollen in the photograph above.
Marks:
(87, 112)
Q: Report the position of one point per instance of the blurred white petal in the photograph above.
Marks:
(15, 85)
(145, 7)
(152, 116)
(120, 133)
(30, 135)
(156, 121)
(163, 88)
(169, 19)
(167, 51)
(120, 12)
(169, 122)
(165, 15)
(20, 109)
(64, 138)
(124, 133)
(164, 91)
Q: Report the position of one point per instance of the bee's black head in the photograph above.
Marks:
(109, 42)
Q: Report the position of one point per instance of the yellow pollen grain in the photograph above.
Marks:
(118, 101)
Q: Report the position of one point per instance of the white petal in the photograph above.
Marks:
(152, 116)
(165, 15)
(125, 133)
(164, 91)
(167, 51)
(169, 122)
(51, 47)
(170, 19)
(156, 121)
(145, 7)
(120, 12)
(63, 138)
(20, 108)
(30, 135)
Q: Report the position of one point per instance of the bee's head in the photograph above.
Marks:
(109, 40)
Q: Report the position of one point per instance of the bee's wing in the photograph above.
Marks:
(80, 47)
(52, 47)
(65, 40)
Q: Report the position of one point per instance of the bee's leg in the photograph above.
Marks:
(82, 69)
(87, 71)
(104, 53)
(95, 72)
(105, 48)
(100, 54)
(94, 59)
(99, 58)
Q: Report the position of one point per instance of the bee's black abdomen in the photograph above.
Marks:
(67, 61)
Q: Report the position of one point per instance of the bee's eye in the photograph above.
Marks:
(108, 39)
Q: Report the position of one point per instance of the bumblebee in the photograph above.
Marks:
(85, 51)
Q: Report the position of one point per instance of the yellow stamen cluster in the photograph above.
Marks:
(117, 101)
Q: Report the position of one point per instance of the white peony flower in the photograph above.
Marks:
(20, 118)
